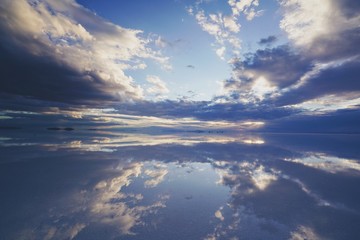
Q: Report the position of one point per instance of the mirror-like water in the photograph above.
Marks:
(72, 185)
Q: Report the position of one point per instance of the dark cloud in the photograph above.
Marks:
(280, 65)
(206, 110)
(63, 52)
(320, 35)
(338, 80)
(24, 74)
(330, 47)
(267, 41)
(311, 66)
(262, 74)
(298, 76)
(350, 8)
(190, 66)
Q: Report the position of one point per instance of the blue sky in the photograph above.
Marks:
(203, 59)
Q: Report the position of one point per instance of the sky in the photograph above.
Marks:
(293, 65)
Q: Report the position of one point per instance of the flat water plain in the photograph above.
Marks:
(105, 185)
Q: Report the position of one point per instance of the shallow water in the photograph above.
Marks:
(104, 185)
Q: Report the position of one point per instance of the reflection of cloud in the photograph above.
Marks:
(157, 176)
(110, 206)
(104, 205)
(109, 141)
(318, 199)
(304, 232)
(46, 232)
(267, 199)
(261, 178)
(219, 215)
(243, 223)
(245, 177)
(106, 210)
(253, 141)
(76, 229)
(328, 163)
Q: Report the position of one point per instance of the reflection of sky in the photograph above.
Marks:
(110, 140)
(178, 186)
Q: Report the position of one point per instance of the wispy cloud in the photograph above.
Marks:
(158, 87)
(225, 28)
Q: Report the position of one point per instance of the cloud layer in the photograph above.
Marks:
(61, 51)
(319, 64)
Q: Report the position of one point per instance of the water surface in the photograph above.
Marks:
(103, 185)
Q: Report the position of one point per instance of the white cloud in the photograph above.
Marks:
(210, 24)
(310, 17)
(219, 215)
(76, 229)
(256, 176)
(246, 7)
(321, 55)
(75, 37)
(261, 178)
(328, 163)
(119, 213)
(318, 19)
(304, 232)
(158, 86)
(160, 42)
(221, 52)
(262, 87)
(224, 28)
(330, 102)
(157, 176)
(231, 24)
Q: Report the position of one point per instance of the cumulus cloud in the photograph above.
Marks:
(247, 7)
(323, 62)
(264, 73)
(283, 77)
(224, 28)
(158, 87)
(72, 53)
(331, 27)
(221, 27)
(221, 52)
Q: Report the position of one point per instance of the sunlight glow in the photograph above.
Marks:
(253, 141)
(262, 87)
